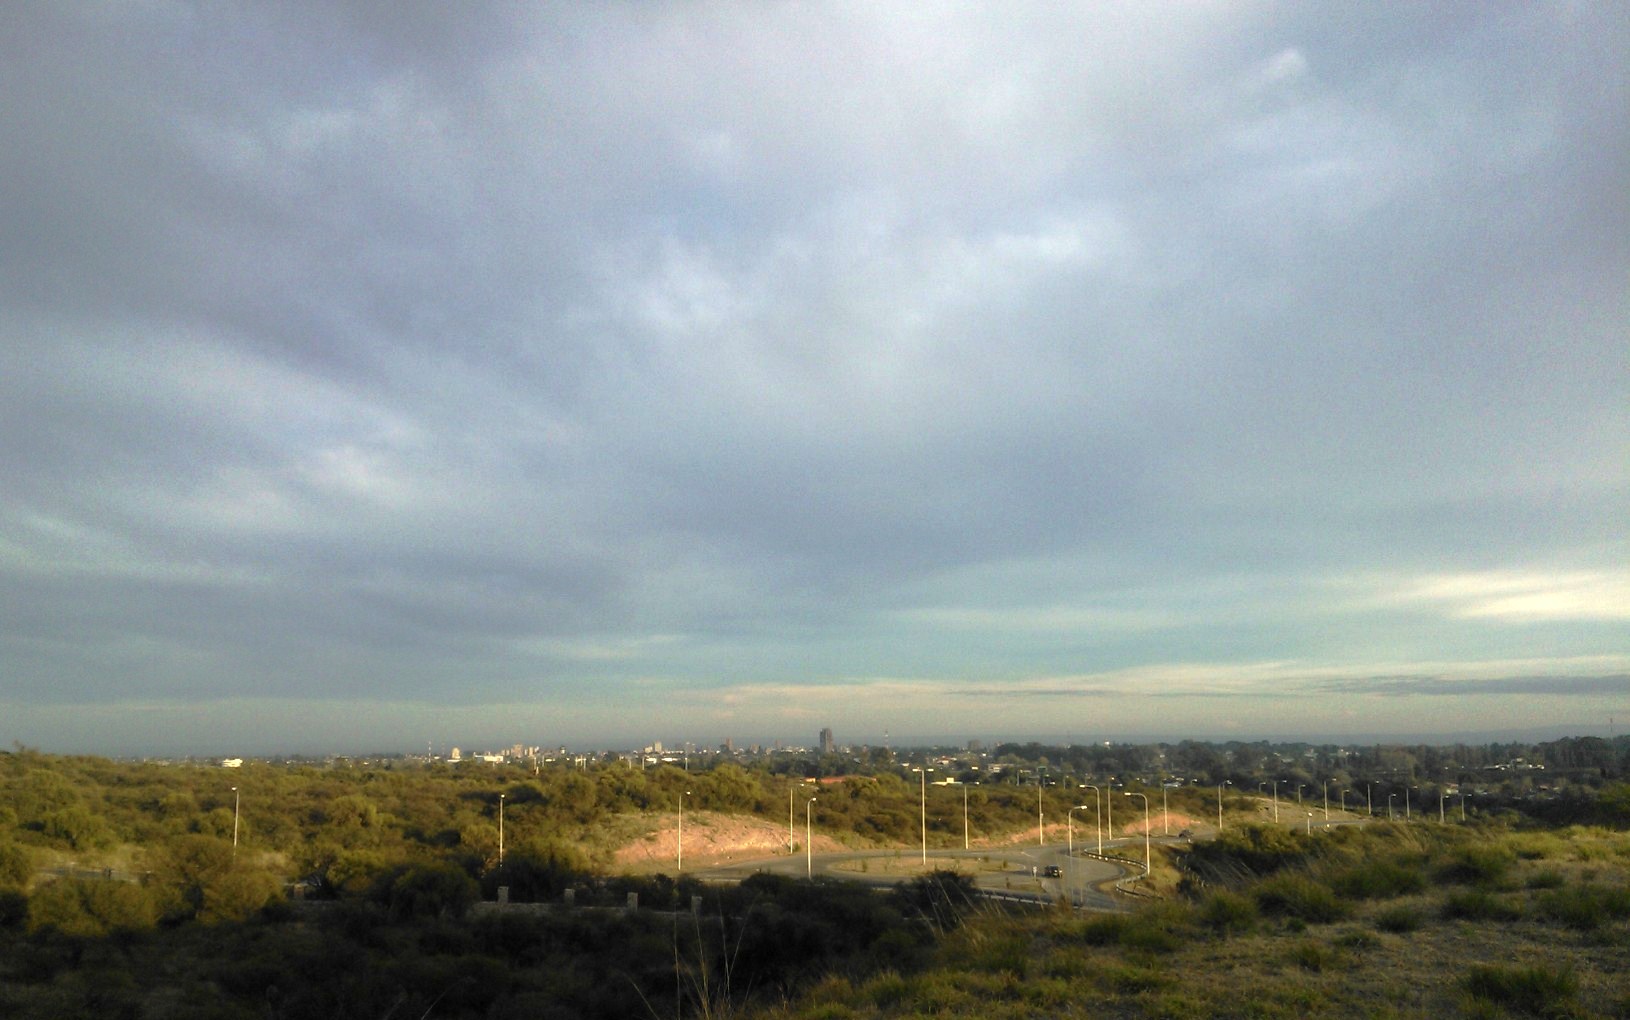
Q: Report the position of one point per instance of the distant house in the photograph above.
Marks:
(231, 763)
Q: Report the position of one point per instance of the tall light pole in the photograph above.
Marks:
(1097, 813)
(1299, 794)
(1165, 812)
(1406, 803)
(1390, 798)
(1327, 800)
(1440, 805)
(1041, 837)
(792, 841)
(809, 837)
(1276, 802)
(500, 830)
(964, 816)
(237, 799)
(1220, 785)
(1147, 859)
(1069, 822)
(1310, 823)
(1369, 798)
(679, 864)
(923, 785)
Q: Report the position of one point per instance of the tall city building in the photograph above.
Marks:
(828, 745)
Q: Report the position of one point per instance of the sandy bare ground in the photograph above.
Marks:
(712, 839)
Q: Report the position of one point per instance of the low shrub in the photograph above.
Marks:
(1377, 879)
(1358, 938)
(1547, 879)
(1314, 956)
(1399, 919)
(1481, 864)
(1104, 930)
(1479, 905)
(1301, 898)
(1543, 991)
(1585, 907)
(1227, 912)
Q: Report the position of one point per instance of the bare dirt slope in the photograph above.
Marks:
(711, 839)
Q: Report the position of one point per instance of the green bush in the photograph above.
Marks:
(91, 908)
(1314, 956)
(1585, 907)
(1482, 864)
(1542, 991)
(1301, 898)
(1227, 912)
(1547, 879)
(429, 890)
(13, 908)
(1399, 919)
(1377, 879)
(16, 865)
(1479, 905)
(1358, 938)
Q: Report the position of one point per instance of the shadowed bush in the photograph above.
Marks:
(1399, 919)
(1299, 897)
(1585, 907)
(1376, 880)
(1542, 991)
(1227, 912)
(1480, 864)
(1479, 905)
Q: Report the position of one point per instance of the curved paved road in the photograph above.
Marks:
(1011, 872)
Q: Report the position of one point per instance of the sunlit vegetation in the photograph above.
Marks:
(158, 890)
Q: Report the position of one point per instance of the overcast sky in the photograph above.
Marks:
(379, 375)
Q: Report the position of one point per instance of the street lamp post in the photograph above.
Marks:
(500, 830)
(1041, 836)
(1369, 798)
(1310, 823)
(1069, 822)
(1165, 812)
(923, 773)
(1390, 798)
(1276, 802)
(1440, 805)
(964, 816)
(1327, 800)
(1147, 859)
(1406, 803)
(237, 800)
(809, 836)
(1225, 782)
(679, 864)
(1097, 813)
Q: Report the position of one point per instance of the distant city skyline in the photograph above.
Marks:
(570, 372)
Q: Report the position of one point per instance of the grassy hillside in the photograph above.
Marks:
(1391, 921)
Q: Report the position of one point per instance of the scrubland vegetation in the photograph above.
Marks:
(354, 892)
(1389, 920)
